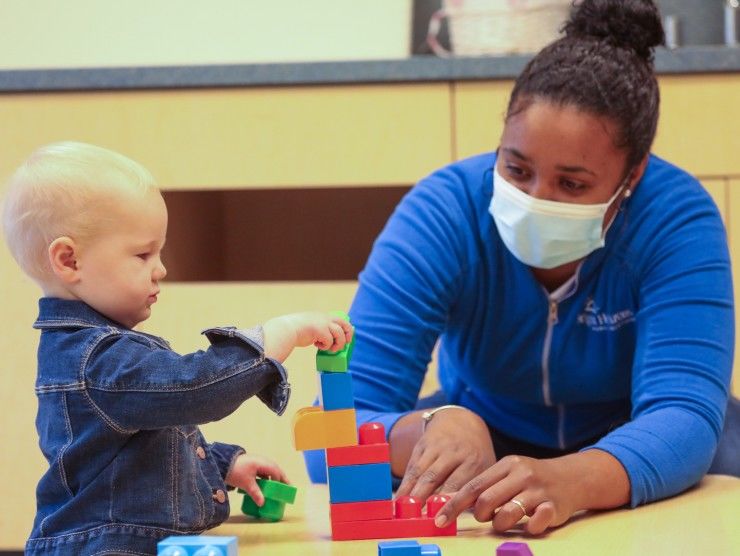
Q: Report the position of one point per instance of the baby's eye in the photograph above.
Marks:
(143, 256)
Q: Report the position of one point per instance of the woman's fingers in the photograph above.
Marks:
(512, 512)
(469, 469)
(542, 519)
(469, 494)
(420, 460)
(433, 476)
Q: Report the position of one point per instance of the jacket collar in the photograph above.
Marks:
(67, 313)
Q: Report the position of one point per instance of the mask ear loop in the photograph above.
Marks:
(626, 195)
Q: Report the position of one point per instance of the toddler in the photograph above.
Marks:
(118, 410)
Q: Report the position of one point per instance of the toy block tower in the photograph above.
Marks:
(358, 469)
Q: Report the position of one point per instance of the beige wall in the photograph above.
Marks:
(94, 33)
(373, 135)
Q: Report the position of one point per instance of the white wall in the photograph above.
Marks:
(92, 33)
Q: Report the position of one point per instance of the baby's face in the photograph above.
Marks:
(121, 268)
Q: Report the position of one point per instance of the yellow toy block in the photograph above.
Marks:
(314, 428)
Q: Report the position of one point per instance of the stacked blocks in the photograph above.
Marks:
(359, 470)
(202, 545)
(333, 423)
(276, 495)
(407, 548)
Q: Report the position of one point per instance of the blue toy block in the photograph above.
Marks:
(407, 548)
(360, 483)
(335, 391)
(199, 545)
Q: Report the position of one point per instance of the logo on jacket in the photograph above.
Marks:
(599, 321)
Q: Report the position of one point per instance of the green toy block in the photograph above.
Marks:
(272, 510)
(248, 506)
(276, 495)
(275, 490)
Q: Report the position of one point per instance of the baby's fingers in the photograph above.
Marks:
(346, 327)
(324, 338)
(253, 490)
(272, 471)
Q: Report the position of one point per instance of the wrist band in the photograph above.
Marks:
(427, 415)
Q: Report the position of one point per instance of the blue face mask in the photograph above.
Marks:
(546, 234)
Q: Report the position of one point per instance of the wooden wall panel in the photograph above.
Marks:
(697, 128)
(717, 188)
(479, 109)
(236, 138)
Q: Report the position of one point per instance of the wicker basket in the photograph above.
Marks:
(486, 27)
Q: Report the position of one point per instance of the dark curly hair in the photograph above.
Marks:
(603, 65)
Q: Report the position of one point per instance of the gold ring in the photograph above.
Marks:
(520, 504)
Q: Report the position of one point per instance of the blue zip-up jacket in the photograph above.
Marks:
(117, 420)
(636, 350)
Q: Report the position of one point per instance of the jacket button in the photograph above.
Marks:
(220, 496)
(200, 452)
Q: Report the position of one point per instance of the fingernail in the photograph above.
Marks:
(440, 520)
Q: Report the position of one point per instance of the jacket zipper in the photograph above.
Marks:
(552, 320)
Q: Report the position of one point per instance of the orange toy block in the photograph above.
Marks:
(314, 428)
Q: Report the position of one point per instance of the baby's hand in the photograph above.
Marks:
(247, 467)
(326, 332)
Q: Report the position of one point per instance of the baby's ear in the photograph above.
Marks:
(63, 259)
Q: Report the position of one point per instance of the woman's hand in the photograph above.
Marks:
(247, 467)
(455, 447)
(550, 491)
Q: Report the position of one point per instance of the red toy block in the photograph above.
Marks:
(390, 529)
(358, 455)
(372, 433)
(435, 503)
(399, 526)
(361, 511)
(407, 507)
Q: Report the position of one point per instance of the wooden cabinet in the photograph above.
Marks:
(236, 138)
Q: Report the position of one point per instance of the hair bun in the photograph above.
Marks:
(631, 24)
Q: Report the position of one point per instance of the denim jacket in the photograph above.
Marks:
(117, 422)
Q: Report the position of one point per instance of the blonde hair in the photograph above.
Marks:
(65, 189)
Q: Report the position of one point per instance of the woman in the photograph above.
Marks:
(580, 290)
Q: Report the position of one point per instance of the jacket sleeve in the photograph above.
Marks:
(225, 455)
(404, 296)
(135, 383)
(683, 357)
